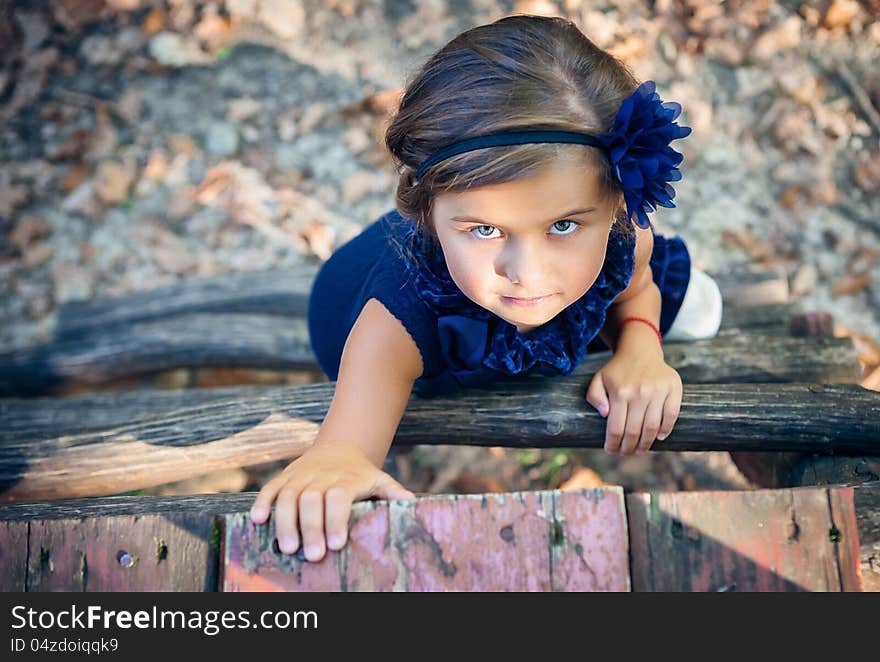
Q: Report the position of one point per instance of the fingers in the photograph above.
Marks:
(316, 512)
(311, 522)
(596, 394)
(634, 425)
(286, 518)
(635, 416)
(263, 503)
(615, 427)
(671, 410)
(388, 488)
(338, 504)
(653, 416)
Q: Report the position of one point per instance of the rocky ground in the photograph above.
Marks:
(145, 142)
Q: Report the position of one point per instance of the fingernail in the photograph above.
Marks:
(662, 436)
(640, 452)
(287, 545)
(314, 552)
(335, 541)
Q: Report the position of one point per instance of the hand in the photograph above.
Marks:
(316, 491)
(641, 395)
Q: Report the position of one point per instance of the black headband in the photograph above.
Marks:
(508, 138)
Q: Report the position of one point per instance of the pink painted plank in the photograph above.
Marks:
(13, 556)
(592, 551)
(492, 542)
(252, 562)
(761, 540)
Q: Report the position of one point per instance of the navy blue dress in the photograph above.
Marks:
(462, 344)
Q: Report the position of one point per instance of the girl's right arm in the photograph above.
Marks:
(314, 494)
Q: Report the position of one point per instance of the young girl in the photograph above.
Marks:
(529, 159)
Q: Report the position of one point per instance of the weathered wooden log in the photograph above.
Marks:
(250, 320)
(285, 293)
(273, 292)
(226, 340)
(725, 359)
(527, 413)
(213, 340)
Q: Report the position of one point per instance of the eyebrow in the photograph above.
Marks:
(474, 219)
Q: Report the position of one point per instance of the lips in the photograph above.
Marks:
(520, 301)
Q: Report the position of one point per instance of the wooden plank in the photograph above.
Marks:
(123, 553)
(527, 413)
(751, 285)
(196, 340)
(270, 292)
(200, 340)
(285, 292)
(250, 320)
(720, 360)
(590, 548)
(842, 513)
(803, 539)
(110, 506)
(366, 573)
(867, 502)
(492, 542)
(13, 556)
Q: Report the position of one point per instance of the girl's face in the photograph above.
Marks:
(526, 250)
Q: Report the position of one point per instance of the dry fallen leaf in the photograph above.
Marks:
(841, 13)
(76, 175)
(583, 478)
(28, 229)
(851, 284)
(112, 181)
(13, 196)
(470, 483)
(872, 381)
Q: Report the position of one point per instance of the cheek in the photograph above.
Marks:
(581, 269)
(470, 268)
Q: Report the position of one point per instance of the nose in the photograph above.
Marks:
(521, 263)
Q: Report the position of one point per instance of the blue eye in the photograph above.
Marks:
(480, 234)
(572, 226)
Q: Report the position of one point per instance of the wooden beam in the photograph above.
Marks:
(285, 293)
(253, 320)
(273, 293)
(195, 340)
(530, 413)
(728, 358)
(229, 340)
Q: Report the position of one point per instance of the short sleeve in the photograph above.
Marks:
(392, 285)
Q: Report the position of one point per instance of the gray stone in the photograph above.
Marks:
(221, 139)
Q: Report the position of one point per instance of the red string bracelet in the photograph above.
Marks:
(646, 321)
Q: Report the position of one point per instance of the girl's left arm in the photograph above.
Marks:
(638, 392)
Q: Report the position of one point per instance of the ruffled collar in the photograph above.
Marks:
(471, 336)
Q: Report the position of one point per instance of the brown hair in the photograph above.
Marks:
(520, 71)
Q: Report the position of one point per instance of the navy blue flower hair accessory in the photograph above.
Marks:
(637, 146)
